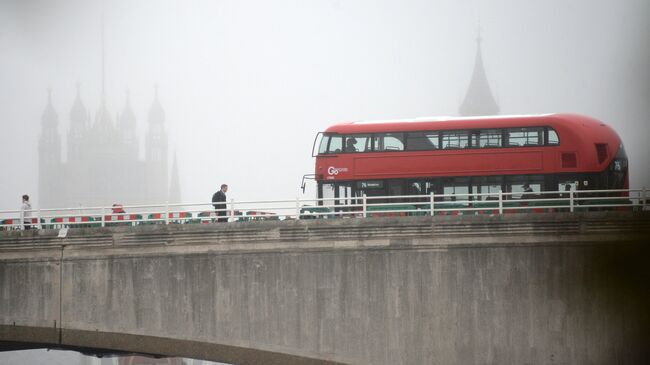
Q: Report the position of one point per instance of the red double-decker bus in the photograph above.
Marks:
(473, 155)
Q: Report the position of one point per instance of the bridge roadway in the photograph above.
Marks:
(515, 289)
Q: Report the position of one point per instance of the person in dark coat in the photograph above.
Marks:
(527, 194)
(220, 209)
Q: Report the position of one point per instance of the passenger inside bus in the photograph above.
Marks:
(350, 145)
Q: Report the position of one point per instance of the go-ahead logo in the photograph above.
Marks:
(335, 170)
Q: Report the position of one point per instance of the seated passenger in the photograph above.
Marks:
(350, 145)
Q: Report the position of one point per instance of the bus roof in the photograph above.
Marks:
(448, 123)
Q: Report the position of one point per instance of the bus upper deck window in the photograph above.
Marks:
(489, 138)
(335, 145)
(418, 141)
(389, 142)
(552, 137)
(455, 140)
(528, 136)
(357, 143)
(322, 148)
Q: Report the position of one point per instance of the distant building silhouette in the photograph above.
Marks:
(49, 155)
(479, 99)
(103, 165)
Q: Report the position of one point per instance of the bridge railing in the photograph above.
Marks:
(327, 208)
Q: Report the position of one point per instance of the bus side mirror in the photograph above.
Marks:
(303, 184)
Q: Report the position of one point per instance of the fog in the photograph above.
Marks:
(246, 85)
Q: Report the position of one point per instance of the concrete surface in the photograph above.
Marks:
(513, 289)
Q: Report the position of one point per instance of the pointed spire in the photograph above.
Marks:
(174, 184)
(78, 113)
(479, 99)
(127, 119)
(49, 119)
(156, 113)
(103, 60)
(103, 119)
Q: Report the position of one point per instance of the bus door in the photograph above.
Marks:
(338, 196)
(371, 189)
(456, 194)
(486, 188)
(343, 193)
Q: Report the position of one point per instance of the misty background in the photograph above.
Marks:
(246, 85)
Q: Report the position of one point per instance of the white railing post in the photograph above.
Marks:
(500, 201)
(232, 210)
(645, 199)
(38, 219)
(22, 220)
(167, 212)
(571, 201)
(297, 207)
(365, 206)
(433, 208)
(103, 217)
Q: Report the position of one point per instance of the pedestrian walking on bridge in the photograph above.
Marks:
(219, 203)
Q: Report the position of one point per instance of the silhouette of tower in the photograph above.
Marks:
(126, 130)
(77, 156)
(49, 155)
(156, 151)
(479, 99)
(79, 122)
(174, 184)
(103, 163)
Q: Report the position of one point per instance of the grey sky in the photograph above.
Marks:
(247, 84)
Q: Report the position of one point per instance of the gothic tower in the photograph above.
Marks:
(156, 153)
(126, 131)
(49, 157)
(479, 99)
(79, 122)
(174, 184)
(129, 187)
(76, 173)
(102, 164)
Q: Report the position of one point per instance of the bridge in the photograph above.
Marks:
(566, 288)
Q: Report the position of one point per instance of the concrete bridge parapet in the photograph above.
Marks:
(524, 288)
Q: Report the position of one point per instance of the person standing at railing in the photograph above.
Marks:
(527, 194)
(26, 212)
(527, 191)
(220, 209)
(118, 209)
